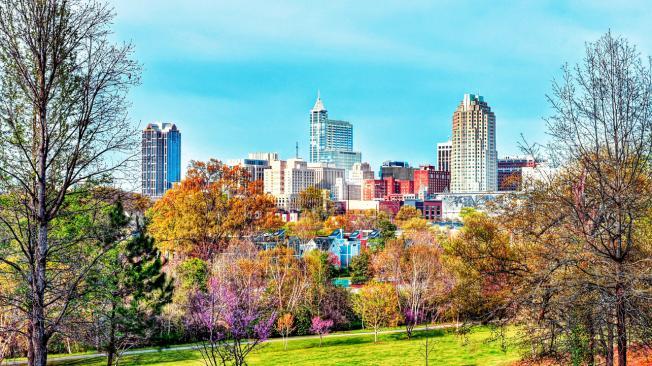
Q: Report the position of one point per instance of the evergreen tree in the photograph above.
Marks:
(131, 291)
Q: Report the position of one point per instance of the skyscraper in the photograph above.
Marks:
(161, 158)
(331, 141)
(474, 158)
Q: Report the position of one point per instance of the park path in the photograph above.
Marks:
(59, 360)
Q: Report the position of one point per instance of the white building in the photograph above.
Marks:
(269, 156)
(444, 150)
(326, 174)
(359, 172)
(474, 160)
(345, 191)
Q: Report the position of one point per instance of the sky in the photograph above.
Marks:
(242, 76)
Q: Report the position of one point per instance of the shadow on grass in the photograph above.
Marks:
(141, 359)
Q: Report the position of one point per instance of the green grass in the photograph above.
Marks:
(477, 348)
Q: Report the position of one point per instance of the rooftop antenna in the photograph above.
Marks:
(297, 150)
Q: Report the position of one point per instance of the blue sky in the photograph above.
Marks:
(241, 76)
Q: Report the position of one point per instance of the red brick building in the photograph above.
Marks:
(428, 180)
(510, 172)
(376, 189)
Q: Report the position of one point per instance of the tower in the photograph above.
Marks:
(331, 141)
(473, 156)
(161, 158)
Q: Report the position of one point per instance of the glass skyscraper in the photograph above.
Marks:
(161, 158)
(331, 141)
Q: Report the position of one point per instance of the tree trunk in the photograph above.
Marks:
(111, 347)
(39, 337)
(621, 327)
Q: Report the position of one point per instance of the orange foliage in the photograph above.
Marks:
(211, 206)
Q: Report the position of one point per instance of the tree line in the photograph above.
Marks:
(87, 266)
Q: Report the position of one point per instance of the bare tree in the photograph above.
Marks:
(588, 276)
(63, 126)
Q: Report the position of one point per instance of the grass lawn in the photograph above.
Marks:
(392, 349)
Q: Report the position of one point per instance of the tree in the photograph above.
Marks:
(212, 206)
(63, 125)
(321, 326)
(426, 283)
(231, 318)
(361, 268)
(311, 199)
(377, 305)
(599, 202)
(285, 326)
(405, 213)
(131, 290)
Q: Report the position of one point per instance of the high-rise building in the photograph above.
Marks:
(474, 158)
(331, 141)
(444, 156)
(161, 158)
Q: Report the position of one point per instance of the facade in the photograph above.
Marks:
(374, 189)
(269, 156)
(326, 175)
(474, 158)
(428, 181)
(396, 170)
(331, 141)
(274, 178)
(444, 150)
(298, 177)
(255, 167)
(510, 171)
(359, 172)
(161, 158)
(345, 191)
(341, 159)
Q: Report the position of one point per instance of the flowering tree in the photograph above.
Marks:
(321, 326)
(230, 320)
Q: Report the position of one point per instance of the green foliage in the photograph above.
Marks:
(130, 289)
(387, 230)
(360, 268)
(193, 274)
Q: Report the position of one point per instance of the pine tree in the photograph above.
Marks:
(132, 290)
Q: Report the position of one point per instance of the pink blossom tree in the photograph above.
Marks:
(230, 320)
(321, 326)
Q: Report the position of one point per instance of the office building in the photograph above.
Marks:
(474, 158)
(161, 158)
(444, 156)
(331, 141)
(510, 171)
(255, 167)
(428, 181)
(359, 172)
(400, 170)
(269, 156)
(326, 175)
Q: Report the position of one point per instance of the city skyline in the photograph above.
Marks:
(216, 72)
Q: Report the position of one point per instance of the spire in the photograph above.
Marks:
(319, 105)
